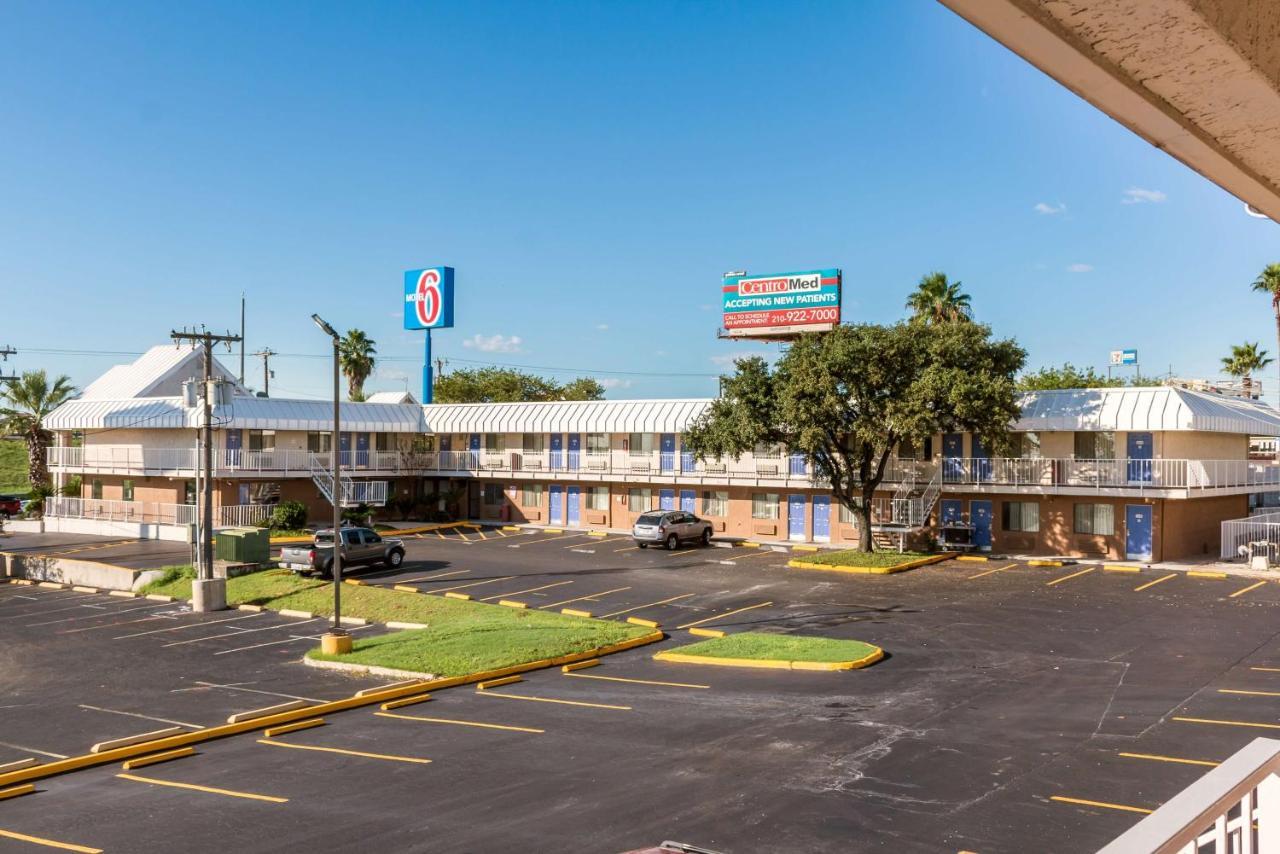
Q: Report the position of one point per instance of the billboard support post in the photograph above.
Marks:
(428, 305)
(427, 377)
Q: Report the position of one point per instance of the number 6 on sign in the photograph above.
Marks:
(428, 298)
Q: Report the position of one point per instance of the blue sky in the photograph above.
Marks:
(590, 170)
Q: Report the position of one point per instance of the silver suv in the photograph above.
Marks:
(670, 528)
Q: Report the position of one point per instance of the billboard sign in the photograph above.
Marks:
(1124, 357)
(781, 303)
(428, 298)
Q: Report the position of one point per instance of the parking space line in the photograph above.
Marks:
(529, 590)
(627, 549)
(1227, 723)
(1071, 576)
(989, 571)
(592, 597)
(119, 623)
(552, 700)
(105, 613)
(210, 789)
(647, 605)
(459, 723)
(1103, 804)
(293, 639)
(33, 750)
(1249, 693)
(390, 758)
(136, 715)
(758, 553)
(1142, 587)
(722, 616)
(200, 686)
(433, 576)
(472, 584)
(1245, 590)
(291, 625)
(49, 843)
(1176, 759)
(543, 540)
(634, 681)
(1267, 669)
(190, 625)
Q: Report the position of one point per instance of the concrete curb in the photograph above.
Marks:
(873, 570)
(685, 658)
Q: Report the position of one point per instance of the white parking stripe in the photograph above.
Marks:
(136, 715)
(239, 686)
(33, 750)
(189, 626)
(289, 640)
(103, 614)
(243, 632)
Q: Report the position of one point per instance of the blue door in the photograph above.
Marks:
(981, 461)
(362, 450)
(952, 509)
(557, 450)
(575, 446)
(688, 500)
(473, 447)
(953, 457)
(344, 449)
(573, 506)
(822, 518)
(1140, 453)
(666, 499)
(234, 440)
(795, 517)
(555, 513)
(980, 516)
(795, 465)
(667, 452)
(1137, 532)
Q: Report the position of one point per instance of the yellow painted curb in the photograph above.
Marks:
(512, 604)
(466, 597)
(354, 582)
(706, 633)
(580, 665)
(1046, 563)
(80, 589)
(75, 763)
(974, 558)
(1199, 574)
(685, 658)
(157, 758)
(553, 530)
(267, 711)
(52, 585)
(639, 621)
(15, 791)
(511, 528)
(140, 738)
(748, 545)
(406, 588)
(873, 570)
(406, 701)
(1120, 567)
(574, 612)
(494, 683)
(270, 732)
(128, 594)
(597, 533)
(804, 548)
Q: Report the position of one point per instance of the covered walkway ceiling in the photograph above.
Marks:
(1197, 78)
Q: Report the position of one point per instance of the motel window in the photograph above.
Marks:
(495, 443)
(262, 440)
(597, 443)
(764, 450)
(531, 495)
(1022, 516)
(598, 498)
(95, 491)
(640, 444)
(1099, 445)
(492, 493)
(1029, 445)
(126, 490)
(715, 502)
(1097, 519)
(189, 492)
(909, 450)
(764, 505)
(639, 499)
(384, 442)
(847, 516)
(533, 443)
(424, 444)
(319, 443)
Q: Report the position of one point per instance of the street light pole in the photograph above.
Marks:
(336, 641)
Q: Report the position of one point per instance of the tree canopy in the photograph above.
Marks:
(24, 404)
(937, 300)
(1069, 376)
(847, 398)
(356, 356)
(508, 385)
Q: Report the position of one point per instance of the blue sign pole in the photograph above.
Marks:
(427, 378)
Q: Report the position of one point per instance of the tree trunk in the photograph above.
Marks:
(37, 459)
(864, 529)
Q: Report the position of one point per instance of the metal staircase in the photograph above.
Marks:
(909, 510)
(354, 492)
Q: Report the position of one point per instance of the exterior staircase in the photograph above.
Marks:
(353, 492)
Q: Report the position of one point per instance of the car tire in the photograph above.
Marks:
(326, 571)
(395, 559)
(673, 543)
(643, 545)
(706, 537)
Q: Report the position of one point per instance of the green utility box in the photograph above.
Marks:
(243, 545)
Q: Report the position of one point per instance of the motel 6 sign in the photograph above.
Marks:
(428, 298)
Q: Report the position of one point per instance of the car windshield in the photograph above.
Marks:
(325, 539)
(650, 519)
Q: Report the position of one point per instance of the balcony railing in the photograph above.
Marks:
(619, 463)
(1191, 475)
(131, 459)
(153, 512)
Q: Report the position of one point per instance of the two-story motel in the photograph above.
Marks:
(1141, 473)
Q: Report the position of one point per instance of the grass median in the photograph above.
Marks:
(782, 650)
(460, 638)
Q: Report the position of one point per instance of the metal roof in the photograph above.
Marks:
(251, 413)
(139, 412)
(390, 397)
(1154, 408)
(569, 416)
(159, 372)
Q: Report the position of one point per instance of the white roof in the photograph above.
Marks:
(1154, 408)
(569, 416)
(159, 372)
(251, 413)
(140, 412)
(390, 397)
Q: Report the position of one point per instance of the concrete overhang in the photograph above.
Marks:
(1199, 79)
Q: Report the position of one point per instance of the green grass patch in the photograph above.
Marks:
(761, 646)
(13, 468)
(853, 557)
(463, 637)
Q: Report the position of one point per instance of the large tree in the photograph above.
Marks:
(937, 300)
(846, 398)
(356, 356)
(24, 404)
(507, 385)
(1246, 360)
(1069, 376)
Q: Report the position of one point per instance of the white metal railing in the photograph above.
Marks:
(1194, 475)
(670, 463)
(1257, 533)
(133, 459)
(1233, 809)
(244, 515)
(62, 507)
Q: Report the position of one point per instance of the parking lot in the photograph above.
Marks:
(1019, 708)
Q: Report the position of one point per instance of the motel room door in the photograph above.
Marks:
(688, 500)
(667, 452)
(980, 517)
(795, 518)
(555, 513)
(1137, 532)
(575, 446)
(953, 457)
(666, 499)
(1140, 451)
(557, 451)
(573, 500)
(473, 447)
(822, 518)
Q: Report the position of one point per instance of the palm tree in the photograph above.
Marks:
(936, 300)
(24, 404)
(1268, 281)
(1244, 361)
(355, 355)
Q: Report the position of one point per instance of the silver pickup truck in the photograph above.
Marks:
(360, 547)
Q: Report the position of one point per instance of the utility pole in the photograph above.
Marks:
(207, 593)
(242, 338)
(266, 353)
(5, 353)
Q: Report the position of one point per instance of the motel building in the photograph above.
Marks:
(1131, 473)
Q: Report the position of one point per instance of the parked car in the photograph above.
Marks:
(10, 505)
(360, 547)
(670, 528)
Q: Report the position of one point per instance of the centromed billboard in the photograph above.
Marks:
(781, 303)
(428, 298)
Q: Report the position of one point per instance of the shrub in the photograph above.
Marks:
(358, 515)
(290, 515)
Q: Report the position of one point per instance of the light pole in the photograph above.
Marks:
(336, 641)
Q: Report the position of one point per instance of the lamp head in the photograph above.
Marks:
(324, 327)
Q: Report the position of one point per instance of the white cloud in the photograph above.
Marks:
(659, 353)
(728, 359)
(614, 382)
(1138, 196)
(602, 326)
(494, 343)
(1079, 268)
(1048, 209)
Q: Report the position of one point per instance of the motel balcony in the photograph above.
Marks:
(183, 462)
(1158, 478)
(153, 512)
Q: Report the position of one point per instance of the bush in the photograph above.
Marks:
(290, 515)
(358, 515)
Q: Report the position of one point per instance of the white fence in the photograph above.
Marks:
(243, 515)
(132, 459)
(152, 512)
(1233, 809)
(1258, 534)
